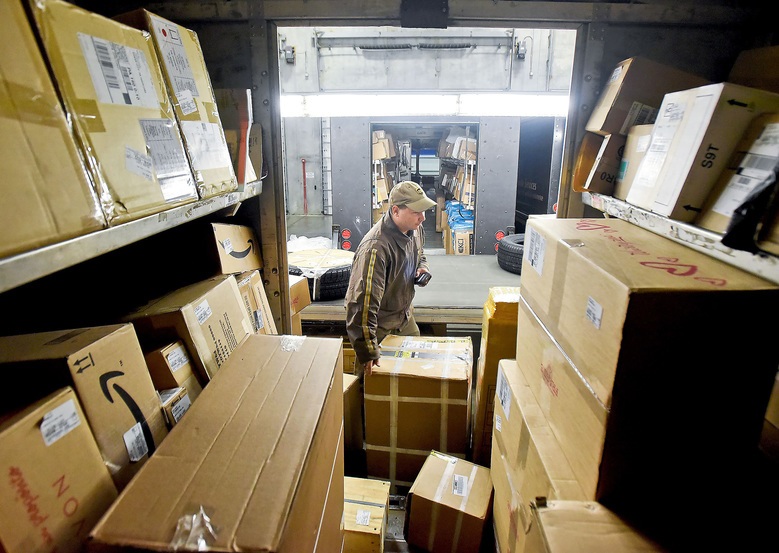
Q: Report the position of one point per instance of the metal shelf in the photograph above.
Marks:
(763, 265)
(29, 266)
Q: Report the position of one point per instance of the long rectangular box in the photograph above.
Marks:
(260, 453)
(46, 190)
(417, 400)
(111, 83)
(55, 486)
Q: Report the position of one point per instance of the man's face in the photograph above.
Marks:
(407, 219)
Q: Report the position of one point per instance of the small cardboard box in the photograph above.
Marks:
(692, 141)
(353, 427)
(598, 162)
(461, 241)
(106, 367)
(208, 316)
(110, 80)
(633, 94)
(366, 502)
(37, 148)
(189, 86)
(255, 300)
(417, 400)
(55, 486)
(636, 147)
(237, 248)
(175, 402)
(269, 427)
(449, 505)
(170, 366)
(299, 293)
(498, 341)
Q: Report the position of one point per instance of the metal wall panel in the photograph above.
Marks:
(303, 160)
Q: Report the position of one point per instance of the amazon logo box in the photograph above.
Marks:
(106, 368)
(208, 316)
(236, 247)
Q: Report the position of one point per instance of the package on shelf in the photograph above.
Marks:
(418, 399)
(692, 141)
(614, 337)
(636, 147)
(255, 300)
(449, 505)
(366, 503)
(55, 486)
(188, 85)
(235, 112)
(465, 185)
(269, 428)
(110, 80)
(106, 368)
(208, 316)
(458, 143)
(383, 145)
(170, 366)
(598, 162)
(38, 150)
(175, 402)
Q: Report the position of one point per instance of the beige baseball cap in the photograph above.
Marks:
(410, 194)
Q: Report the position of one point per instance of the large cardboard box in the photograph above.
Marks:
(255, 300)
(498, 341)
(55, 486)
(634, 92)
(527, 461)
(170, 366)
(753, 67)
(189, 86)
(636, 147)
(417, 400)
(105, 366)
(110, 80)
(37, 148)
(366, 502)
(449, 505)
(260, 453)
(692, 140)
(208, 316)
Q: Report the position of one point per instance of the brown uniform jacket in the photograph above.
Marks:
(381, 285)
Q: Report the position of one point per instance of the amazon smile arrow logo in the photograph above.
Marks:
(130, 402)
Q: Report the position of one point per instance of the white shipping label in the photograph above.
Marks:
(503, 392)
(206, 145)
(227, 244)
(498, 423)
(187, 103)
(535, 248)
(202, 312)
(662, 135)
(59, 422)
(177, 358)
(120, 74)
(459, 485)
(138, 163)
(174, 56)
(638, 114)
(615, 74)
(181, 407)
(170, 161)
(594, 312)
(363, 517)
(135, 443)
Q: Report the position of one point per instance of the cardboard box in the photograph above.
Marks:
(417, 400)
(636, 147)
(189, 86)
(449, 505)
(37, 148)
(692, 140)
(353, 427)
(560, 526)
(235, 111)
(268, 427)
(105, 366)
(366, 503)
(299, 294)
(605, 309)
(461, 241)
(170, 366)
(208, 316)
(440, 209)
(498, 341)
(350, 357)
(175, 402)
(110, 80)
(598, 162)
(752, 68)
(237, 248)
(55, 485)
(633, 94)
(255, 301)
(752, 162)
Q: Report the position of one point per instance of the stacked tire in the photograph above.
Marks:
(510, 251)
(327, 271)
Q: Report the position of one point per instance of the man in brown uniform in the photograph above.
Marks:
(388, 260)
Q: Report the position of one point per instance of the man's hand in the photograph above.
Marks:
(369, 365)
(422, 278)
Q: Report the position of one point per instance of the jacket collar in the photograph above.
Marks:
(392, 230)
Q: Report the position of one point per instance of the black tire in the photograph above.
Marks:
(332, 284)
(510, 251)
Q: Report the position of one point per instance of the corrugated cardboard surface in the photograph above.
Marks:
(208, 316)
(353, 426)
(257, 452)
(112, 86)
(106, 367)
(448, 505)
(189, 86)
(365, 514)
(752, 68)
(636, 147)
(299, 293)
(55, 485)
(237, 247)
(255, 300)
(417, 400)
(37, 148)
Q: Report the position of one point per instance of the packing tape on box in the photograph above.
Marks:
(25, 104)
(439, 494)
(459, 524)
(88, 114)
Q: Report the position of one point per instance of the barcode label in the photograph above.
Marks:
(594, 312)
(363, 517)
(177, 358)
(59, 421)
(138, 163)
(535, 248)
(135, 443)
(498, 423)
(169, 159)
(202, 312)
(459, 485)
(181, 407)
(227, 244)
(503, 392)
(187, 102)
